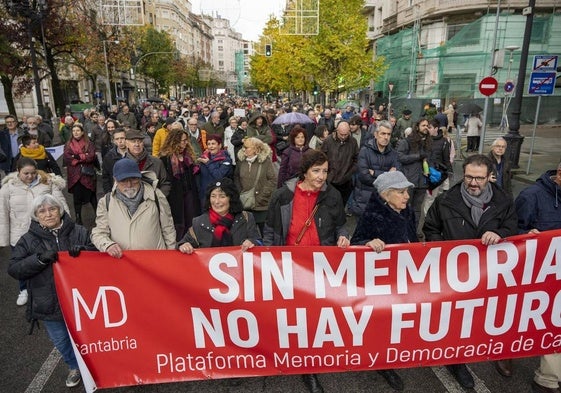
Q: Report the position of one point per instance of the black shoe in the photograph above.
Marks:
(537, 388)
(312, 383)
(392, 379)
(462, 375)
(504, 367)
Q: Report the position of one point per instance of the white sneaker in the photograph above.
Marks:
(22, 298)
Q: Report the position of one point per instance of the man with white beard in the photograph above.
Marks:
(134, 215)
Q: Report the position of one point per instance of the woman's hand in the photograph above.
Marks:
(186, 248)
(247, 244)
(343, 242)
(376, 245)
(114, 250)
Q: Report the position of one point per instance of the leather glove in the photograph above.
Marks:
(48, 257)
(75, 250)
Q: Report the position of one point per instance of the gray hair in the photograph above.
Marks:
(44, 200)
(499, 139)
(385, 124)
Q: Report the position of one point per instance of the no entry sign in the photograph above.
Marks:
(488, 86)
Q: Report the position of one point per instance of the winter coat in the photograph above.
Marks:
(329, 219)
(449, 218)
(473, 126)
(505, 170)
(109, 161)
(149, 228)
(15, 203)
(539, 205)
(47, 164)
(263, 133)
(369, 158)
(200, 234)
(218, 167)
(244, 177)
(440, 154)
(212, 129)
(380, 221)
(24, 265)
(412, 162)
(342, 157)
(86, 158)
(290, 163)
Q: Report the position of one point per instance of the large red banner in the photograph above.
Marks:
(163, 316)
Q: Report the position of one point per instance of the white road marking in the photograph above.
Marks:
(44, 372)
(450, 384)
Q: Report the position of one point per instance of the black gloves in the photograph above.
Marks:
(423, 156)
(48, 257)
(75, 250)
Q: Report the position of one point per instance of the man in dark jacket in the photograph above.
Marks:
(539, 209)
(472, 209)
(117, 152)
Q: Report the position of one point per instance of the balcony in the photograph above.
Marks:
(369, 6)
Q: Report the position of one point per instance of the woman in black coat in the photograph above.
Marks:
(51, 230)
(387, 219)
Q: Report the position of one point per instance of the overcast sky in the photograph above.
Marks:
(247, 17)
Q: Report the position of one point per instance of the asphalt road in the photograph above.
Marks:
(28, 363)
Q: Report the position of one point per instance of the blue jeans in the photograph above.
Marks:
(59, 336)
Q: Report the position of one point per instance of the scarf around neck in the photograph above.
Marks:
(477, 204)
(221, 236)
(37, 153)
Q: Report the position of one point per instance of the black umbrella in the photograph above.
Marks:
(469, 107)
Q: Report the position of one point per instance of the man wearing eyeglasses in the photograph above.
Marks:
(475, 208)
(9, 144)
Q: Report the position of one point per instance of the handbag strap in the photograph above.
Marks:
(257, 177)
(306, 225)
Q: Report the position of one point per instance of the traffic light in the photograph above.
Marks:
(268, 50)
(316, 90)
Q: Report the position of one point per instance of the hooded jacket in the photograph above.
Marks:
(15, 202)
(539, 205)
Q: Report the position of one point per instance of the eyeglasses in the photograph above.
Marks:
(478, 179)
(44, 210)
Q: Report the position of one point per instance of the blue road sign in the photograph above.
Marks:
(541, 83)
(545, 63)
(509, 86)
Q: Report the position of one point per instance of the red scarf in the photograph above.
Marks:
(222, 224)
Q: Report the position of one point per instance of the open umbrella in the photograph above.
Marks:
(345, 103)
(292, 118)
(469, 107)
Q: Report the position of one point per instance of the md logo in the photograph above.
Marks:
(101, 299)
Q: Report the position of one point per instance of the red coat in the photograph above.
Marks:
(78, 154)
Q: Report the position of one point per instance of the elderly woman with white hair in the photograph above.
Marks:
(51, 230)
(387, 219)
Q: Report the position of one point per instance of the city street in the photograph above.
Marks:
(30, 364)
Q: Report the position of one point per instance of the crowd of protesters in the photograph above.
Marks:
(227, 165)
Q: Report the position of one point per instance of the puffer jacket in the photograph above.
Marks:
(15, 203)
(290, 163)
(371, 158)
(24, 265)
(411, 162)
(244, 177)
(539, 205)
(449, 218)
(329, 219)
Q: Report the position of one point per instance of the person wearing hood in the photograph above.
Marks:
(260, 129)
(255, 172)
(51, 230)
(539, 209)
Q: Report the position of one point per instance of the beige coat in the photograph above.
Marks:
(15, 203)
(143, 231)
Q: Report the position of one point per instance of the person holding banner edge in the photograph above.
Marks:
(539, 209)
(472, 209)
(51, 230)
(307, 211)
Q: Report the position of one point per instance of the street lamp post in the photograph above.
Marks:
(134, 67)
(107, 80)
(508, 94)
(390, 89)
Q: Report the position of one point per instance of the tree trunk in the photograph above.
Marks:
(8, 93)
(58, 95)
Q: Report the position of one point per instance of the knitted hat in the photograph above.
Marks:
(392, 179)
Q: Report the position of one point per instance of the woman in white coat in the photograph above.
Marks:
(18, 191)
